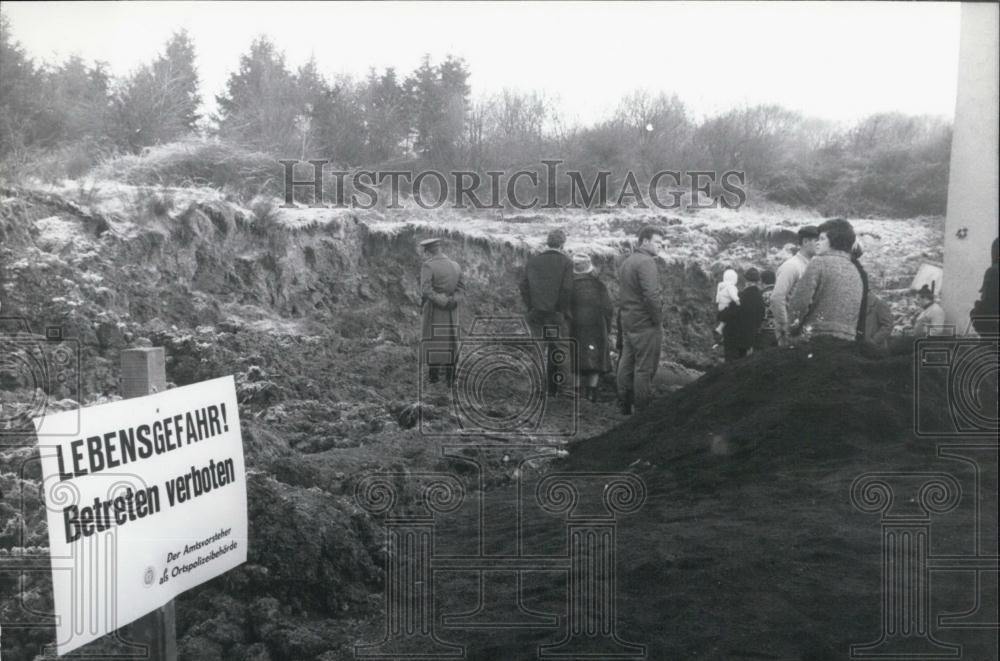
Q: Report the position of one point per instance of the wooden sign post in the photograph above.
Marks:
(143, 373)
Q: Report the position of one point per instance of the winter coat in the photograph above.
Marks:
(441, 289)
(827, 298)
(547, 284)
(591, 324)
(787, 277)
(878, 321)
(639, 293)
(863, 308)
(743, 321)
(984, 312)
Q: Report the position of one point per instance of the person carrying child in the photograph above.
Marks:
(725, 294)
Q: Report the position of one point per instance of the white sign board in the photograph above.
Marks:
(146, 500)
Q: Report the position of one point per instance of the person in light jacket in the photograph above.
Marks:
(827, 299)
(787, 277)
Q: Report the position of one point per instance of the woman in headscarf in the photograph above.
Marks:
(591, 324)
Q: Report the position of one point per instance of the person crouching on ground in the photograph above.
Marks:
(826, 300)
(931, 320)
(726, 294)
(591, 324)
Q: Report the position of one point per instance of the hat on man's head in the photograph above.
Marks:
(582, 263)
(427, 243)
(808, 232)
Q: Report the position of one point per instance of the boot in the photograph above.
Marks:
(592, 394)
(625, 403)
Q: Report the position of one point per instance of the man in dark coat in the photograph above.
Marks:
(743, 321)
(766, 338)
(984, 312)
(441, 289)
(641, 321)
(878, 321)
(546, 288)
(592, 313)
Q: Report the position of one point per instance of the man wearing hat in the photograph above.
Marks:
(441, 287)
(931, 320)
(547, 287)
(787, 277)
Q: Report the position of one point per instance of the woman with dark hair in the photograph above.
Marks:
(590, 326)
(827, 299)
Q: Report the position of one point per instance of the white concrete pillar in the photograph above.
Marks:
(971, 223)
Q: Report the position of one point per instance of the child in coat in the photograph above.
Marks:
(725, 294)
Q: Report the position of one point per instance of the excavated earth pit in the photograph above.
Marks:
(746, 545)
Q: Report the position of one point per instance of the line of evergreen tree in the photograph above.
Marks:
(887, 164)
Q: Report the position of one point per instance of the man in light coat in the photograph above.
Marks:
(786, 278)
(640, 301)
(441, 289)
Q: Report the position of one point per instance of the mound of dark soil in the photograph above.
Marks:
(749, 543)
(823, 403)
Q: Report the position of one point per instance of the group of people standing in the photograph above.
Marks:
(564, 300)
(822, 290)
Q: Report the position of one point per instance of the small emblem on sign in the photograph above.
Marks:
(148, 577)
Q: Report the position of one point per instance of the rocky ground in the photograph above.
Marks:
(315, 312)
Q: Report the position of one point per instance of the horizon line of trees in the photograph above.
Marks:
(888, 164)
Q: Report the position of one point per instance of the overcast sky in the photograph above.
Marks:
(839, 61)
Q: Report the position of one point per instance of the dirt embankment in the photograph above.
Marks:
(317, 319)
(315, 312)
